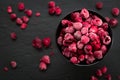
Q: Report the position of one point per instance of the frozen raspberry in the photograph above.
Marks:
(42, 66)
(77, 35)
(25, 19)
(75, 15)
(104, 69)
(19, 21)
(84, 30)
(69, 29)
(115, 11)
(81, 57)
(107, 19)
(28, 12)
(72, 47)
(45, 59)
(78, 19)
(5, 69)
(88, 48)
(68, 37)
(105, 26)
(85, 39)
(107, 40)
(93, 36)
(13, 64)
(46, 41)
(51, 4)
(13, 16)
(66, 52)
(13, 35)
(77, 25)
(113, 22)
(9, 9)
(98, 54)
(108, 77)
(58, 10)
(104, 49)
(99, 5)
(80, 45)
(97, 22)
(21, 6)
(93, 78)
(51, 11)
(60, 40)
(64, 22)
(74, 60)
(37, 14)
(90, 59)
(37, 43)
(84, 13)
(86, 24)
(99, 73)
(93, 29)
(23, 26)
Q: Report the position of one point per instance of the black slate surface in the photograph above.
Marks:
(28, 57)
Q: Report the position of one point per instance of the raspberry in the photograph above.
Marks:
(58, 10)
(37, 43)
(21, 6)
(51, 11)
(23, 26)
(90, 59)
(81, 57)
(93, 29)
(64, 22)
(45, 59)
(46, 41)
(108, 77)
(115, 11)
(105, 26)
(69, 29)
(51, 4)
(74, 60)
(37, 14)
(99, 73)
(104, 49)
(77, 25)
(107, 40)
(98, 54)
(113, 22)
(97, 22)
(9, 9)
(60, 40)
(93, 78)
(80, 45)
(99, 5)
(13, 16)
(88, 48)
(104, 69)
(42, 66)
(19, 21)
(66, 52)
(13, 64)
(84, 30)
(13, 35)
(84, 13)
(28, 12)
(77, 35)
(5, 69)
(68, 37)
(85, 39)
(107, 19)
(25, 19)
(75, 15)
(72, 47)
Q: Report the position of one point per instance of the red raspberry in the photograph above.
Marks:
(21, 6)
(51, 4)
(69, 29)
(97, 22)
(104, 49)
(80, 45)
(13, 16)
(84, 30)
(72, 47)
(77, 35)
(90, 59)
(107, 40)
(9, 9)
(51, 11)
(28, 12)
(93, 78)
(13, 64)
(113, 22)
(46, 41)
(99, 73)
(108, 77)
(25, 19)
(37, 43)
(58, 10)
(68, 37)
(93, 29)
(37, 14)
(74, 60)
(75, 15)
(107, 19)
(13, 35)
(85, 39)
(98, 54)
(93, 36)
(88, 48)
(84, 13)
(60, 40)
(45, 59)
(99, 5)
(23, 26)
(42, 66)
(105, 26)
(104, 69)
(81, 57)
(77, 25)
(115, 11)
(66, 52)
(64, 22)
(19, 21)
(5, 69)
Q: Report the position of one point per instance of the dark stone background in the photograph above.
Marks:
(28, 57)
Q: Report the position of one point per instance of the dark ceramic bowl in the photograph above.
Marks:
(68, 18)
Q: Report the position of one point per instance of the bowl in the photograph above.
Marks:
(68, 18)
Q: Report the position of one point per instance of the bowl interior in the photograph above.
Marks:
(68, 18)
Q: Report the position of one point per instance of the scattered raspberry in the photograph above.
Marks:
(45, 59)
(13, 64)
(99, 5)
(37, 14)
(113, 22)
(9, 9)
(37, 43)
(42, 66)
(115, 11)
(51, 4)
(58, 10)
(13, 35)
(19, 21)
(21, 6)
(5, 69)
(13, 16)
(28, 12)
(46, 41)
(23, 26)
